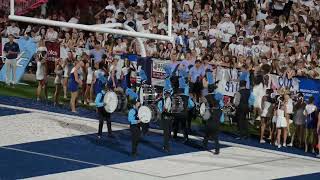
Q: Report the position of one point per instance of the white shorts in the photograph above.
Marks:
(281, 122)
(274, 119)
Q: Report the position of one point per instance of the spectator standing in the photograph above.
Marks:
(13, 30)
(241, 102)
(11, 50)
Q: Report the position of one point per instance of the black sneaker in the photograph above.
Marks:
(166, 149)
(217, 152)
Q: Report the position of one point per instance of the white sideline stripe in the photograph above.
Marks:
(159, 131)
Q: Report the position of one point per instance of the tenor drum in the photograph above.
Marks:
(178, 104)
(111, 101)
(145, 114)
(122, 102)
(147, 94)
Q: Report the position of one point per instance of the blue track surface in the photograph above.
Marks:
(87, 148)
(15, 164)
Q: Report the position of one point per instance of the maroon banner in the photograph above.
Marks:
(53, 49)
(53, 53)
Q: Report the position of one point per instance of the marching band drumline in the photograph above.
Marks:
(181, 100)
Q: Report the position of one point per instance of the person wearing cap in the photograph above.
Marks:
(134, 127)
(145, 27)
(164, 107)
(10, 52)
(102, 113)
(227, 28)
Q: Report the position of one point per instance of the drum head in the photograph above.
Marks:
(167, 104)
(202, 109)
(111, 101)
(145, 114)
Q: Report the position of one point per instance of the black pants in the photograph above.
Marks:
(179, 122)
(212, 132)
(104, 116)
(135, 137)
(144, 128)
(191, 114)
(166, 125)
(243, 124)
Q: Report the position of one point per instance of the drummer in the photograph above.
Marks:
(134, 127)
(144, 79)
(164, 106)
(213, 124)
(103, 114)
(195, 78)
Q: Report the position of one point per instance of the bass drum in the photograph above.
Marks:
(111, 101)
(145, 114)
(204, 111)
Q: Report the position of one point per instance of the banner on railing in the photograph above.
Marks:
(310, 87)
(158, 73)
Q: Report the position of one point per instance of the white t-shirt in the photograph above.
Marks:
(289, 106)
(232, 48)
(52, 35)
(227, 29)
(13, 30)
(270, 26)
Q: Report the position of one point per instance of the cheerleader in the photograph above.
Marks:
(281, 123)
(41, 73)
(89, 90)
(74, 83)
(259, 90)
(57, 81)
(266, 114)
(67, 66)
(310, 112)
(289, 109)
(112, 81)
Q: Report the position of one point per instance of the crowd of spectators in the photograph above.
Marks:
(281, 33)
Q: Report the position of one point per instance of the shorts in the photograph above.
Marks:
(42, 82)
(274, 119)
(281, 122)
